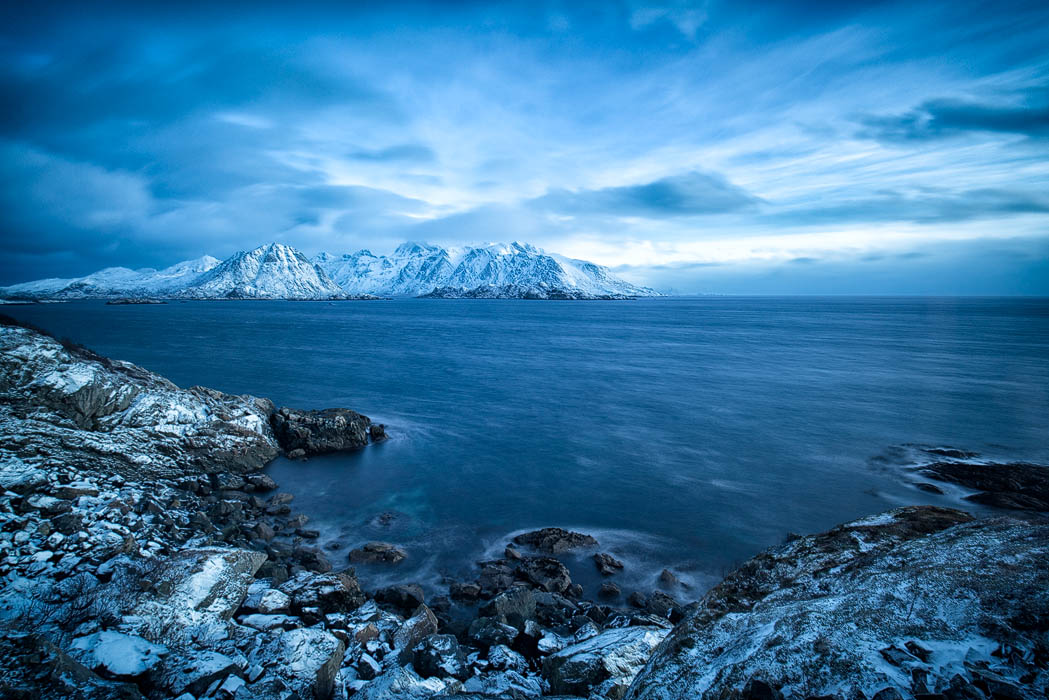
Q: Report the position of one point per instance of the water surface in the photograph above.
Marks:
(687, 433)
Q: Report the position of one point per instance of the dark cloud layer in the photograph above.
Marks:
(140, 134)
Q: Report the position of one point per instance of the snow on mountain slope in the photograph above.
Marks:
(273, 271)
(277, 271)
(116, 281)
(416, 268)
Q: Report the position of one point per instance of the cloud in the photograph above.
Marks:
(691, 194)
(922, 205)
(407, 152)
(943, 118)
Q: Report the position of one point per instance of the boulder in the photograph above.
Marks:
(554, 540)
(404, 597)
(487, 631)
(439, 656)
(319, 432)
(306, 660)
(117, 655)
(504, 684)
(513, 607)
(378, 553)
(546, 573)
(192, 672)
(313, 559)
(419, 626)
(328, 593)
(403, 683)
(615, 654)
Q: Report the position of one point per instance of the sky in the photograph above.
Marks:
(718, 147)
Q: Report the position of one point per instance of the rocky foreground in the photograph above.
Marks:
(143, 554)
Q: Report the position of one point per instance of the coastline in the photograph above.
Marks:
(209, 535)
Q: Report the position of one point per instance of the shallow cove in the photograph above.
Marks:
(682, 433)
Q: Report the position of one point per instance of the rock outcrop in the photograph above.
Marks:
(306, 433)
(918, 600)
(61, 404)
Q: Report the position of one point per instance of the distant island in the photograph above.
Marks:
(277, 271)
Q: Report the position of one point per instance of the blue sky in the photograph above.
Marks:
(697, 147)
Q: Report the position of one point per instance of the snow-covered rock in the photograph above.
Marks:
(306, 660)
(273, 271)
(117, 654)
(417, 268)
(916, 600)
(66, 405)
(615, 654)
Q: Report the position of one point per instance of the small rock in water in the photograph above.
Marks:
(378, 552)
(555, 540)
(668, 579)
(609, 590)
(607, 564)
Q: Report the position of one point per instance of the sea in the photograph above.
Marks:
(683, 433)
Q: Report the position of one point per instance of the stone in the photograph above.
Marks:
(420, 625)
(609, 590)
(555, 540)
(513, 607)
(405, 596)
(440, 656)
(329, 592)
(403, 683)
(193, 672)
(313, 559)
(668, 579)
(503, 684)
(607, 565)
(546, 573)
(487, 631)
(117, 655)
(274, 601)
(613, 654)
(503, 658)
(464, 591)
(757, 689)
(367, 667)
(319, 432)
(306, 660)
(378, 553)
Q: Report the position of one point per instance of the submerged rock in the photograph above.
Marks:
(1017, 486)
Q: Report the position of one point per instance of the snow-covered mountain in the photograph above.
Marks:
(416, 268)
(116, 282)
(277, 271)
(273, 271)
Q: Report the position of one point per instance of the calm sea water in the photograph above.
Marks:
(686, 433)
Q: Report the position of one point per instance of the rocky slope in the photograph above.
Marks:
(116, 282)
(916, 601)
(61, 404)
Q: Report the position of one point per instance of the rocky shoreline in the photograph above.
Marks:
(143, 553)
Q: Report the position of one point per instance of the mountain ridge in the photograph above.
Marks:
(279, 271)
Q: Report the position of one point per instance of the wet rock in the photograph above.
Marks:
(378, 553)
(609, 590)
(667, 579)
(513, 607)
(487, 631)
(928, 488)
(404, 597)
(546, 573)
(554, 540)
(261, 482)
(464, 591)
(616, 654)
(495, 577)
(319, 432)
(1018, 485)
(607, 565)
(313, 559)
(439, 656)
(377, 432)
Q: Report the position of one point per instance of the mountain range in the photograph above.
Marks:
(278, 271)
